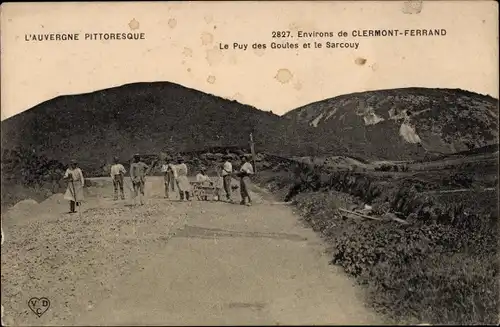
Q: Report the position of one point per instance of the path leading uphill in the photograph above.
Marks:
(170, 263)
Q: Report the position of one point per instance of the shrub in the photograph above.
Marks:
(26, 175)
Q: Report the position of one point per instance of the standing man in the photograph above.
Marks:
(74, 192)
(169, 177)
(227, 171)
(182, 180)
(117, 173)
(245, 172)
(138, 171)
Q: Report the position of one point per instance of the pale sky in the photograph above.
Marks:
(182, 46)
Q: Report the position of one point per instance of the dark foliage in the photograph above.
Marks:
(24, 175)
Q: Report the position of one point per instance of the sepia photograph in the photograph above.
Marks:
(245, 163)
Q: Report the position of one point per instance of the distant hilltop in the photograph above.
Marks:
(406, 123)
(397, 124)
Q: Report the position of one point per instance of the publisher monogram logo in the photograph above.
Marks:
(39, 305)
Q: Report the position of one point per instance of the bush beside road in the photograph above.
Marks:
(441, 268)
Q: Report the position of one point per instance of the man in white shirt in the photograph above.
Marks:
(227, 171)
(117, 173)
(245, 172)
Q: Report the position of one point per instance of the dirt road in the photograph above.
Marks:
(170, 263)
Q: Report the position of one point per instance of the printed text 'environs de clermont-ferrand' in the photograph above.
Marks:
(284, 39)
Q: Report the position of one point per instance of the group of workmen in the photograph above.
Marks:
(175, 176)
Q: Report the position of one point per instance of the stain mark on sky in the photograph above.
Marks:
(211, 79)
(187, 52)
(412, 7)
(206, 38)
(134, 24)
(208, 19)
(214, 56)
(360, 61)
(172, 23)
(284, 75)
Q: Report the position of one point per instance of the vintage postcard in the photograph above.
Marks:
(249, 163)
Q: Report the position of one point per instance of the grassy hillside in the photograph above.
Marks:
(142, 117)
(403, 124)
(400, 124)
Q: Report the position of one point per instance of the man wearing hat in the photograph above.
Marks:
(117, 173)
(227, 171)
(138, 171)
(244, 174)
(74, 192)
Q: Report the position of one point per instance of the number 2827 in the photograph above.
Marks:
(281, 33)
